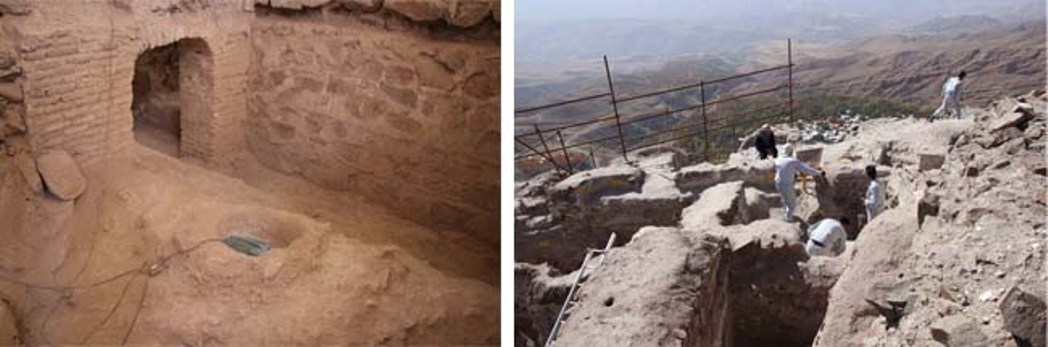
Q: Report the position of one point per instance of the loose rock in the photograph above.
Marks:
(61, 175)
(1024, 316)
(957, 330)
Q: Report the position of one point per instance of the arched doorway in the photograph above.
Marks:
(172, 89)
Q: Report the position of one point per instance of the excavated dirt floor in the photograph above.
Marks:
(138, 259)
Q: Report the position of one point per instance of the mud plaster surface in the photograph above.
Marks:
(339, 273)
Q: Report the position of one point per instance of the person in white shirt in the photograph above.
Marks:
(786, 168)
(826, 238)
(951, 96)
(874, 200)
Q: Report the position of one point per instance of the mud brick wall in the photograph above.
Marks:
(79, 57)
(377, 107)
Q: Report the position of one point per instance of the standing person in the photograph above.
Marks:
(765, 143)
(951, 96)
(786, 169)
(874, 200)
(827, 237)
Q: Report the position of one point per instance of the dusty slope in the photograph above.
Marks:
(342, 273)
(1001, 61)
(1006, 60)
(953, 270)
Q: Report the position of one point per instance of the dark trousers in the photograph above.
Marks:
(765, 152)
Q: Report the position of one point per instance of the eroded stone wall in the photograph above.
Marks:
(378, 104)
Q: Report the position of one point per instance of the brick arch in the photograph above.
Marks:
(196, 98)
(173, 98)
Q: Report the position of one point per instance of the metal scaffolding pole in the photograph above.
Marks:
(705, 123)
(615, 108)
(563, 148)
(545, 147)
(789, 64)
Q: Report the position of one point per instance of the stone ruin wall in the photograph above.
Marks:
(395, 100)
(371, 101)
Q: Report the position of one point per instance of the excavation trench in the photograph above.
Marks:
(760, 289)
(776, 299)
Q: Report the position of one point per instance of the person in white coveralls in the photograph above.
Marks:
(874, 200)
(826, 238)
(951, 96)
(786, 168)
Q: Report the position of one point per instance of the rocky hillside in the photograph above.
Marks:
(1007, 60)
(965, 255)
(956, 258)
(891, 73)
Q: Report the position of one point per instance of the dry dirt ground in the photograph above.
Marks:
(137, 259)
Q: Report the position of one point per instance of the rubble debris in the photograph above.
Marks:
(7, 60)
(987, 296)
(1011, 112)
(11, 122)
(10, 91)
(1014, 119)
(8, 74)
(1024, 316)
(61, 175)
(927, 206)
(956, 330)
(829, 130)
(14, 7)
(892, 311)
(27, 168)
(930, 161)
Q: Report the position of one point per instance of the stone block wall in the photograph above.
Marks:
(379, 104)
(79, 57)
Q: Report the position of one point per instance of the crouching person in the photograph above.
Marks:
(826, 238)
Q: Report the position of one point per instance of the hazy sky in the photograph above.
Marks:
(541, 10)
